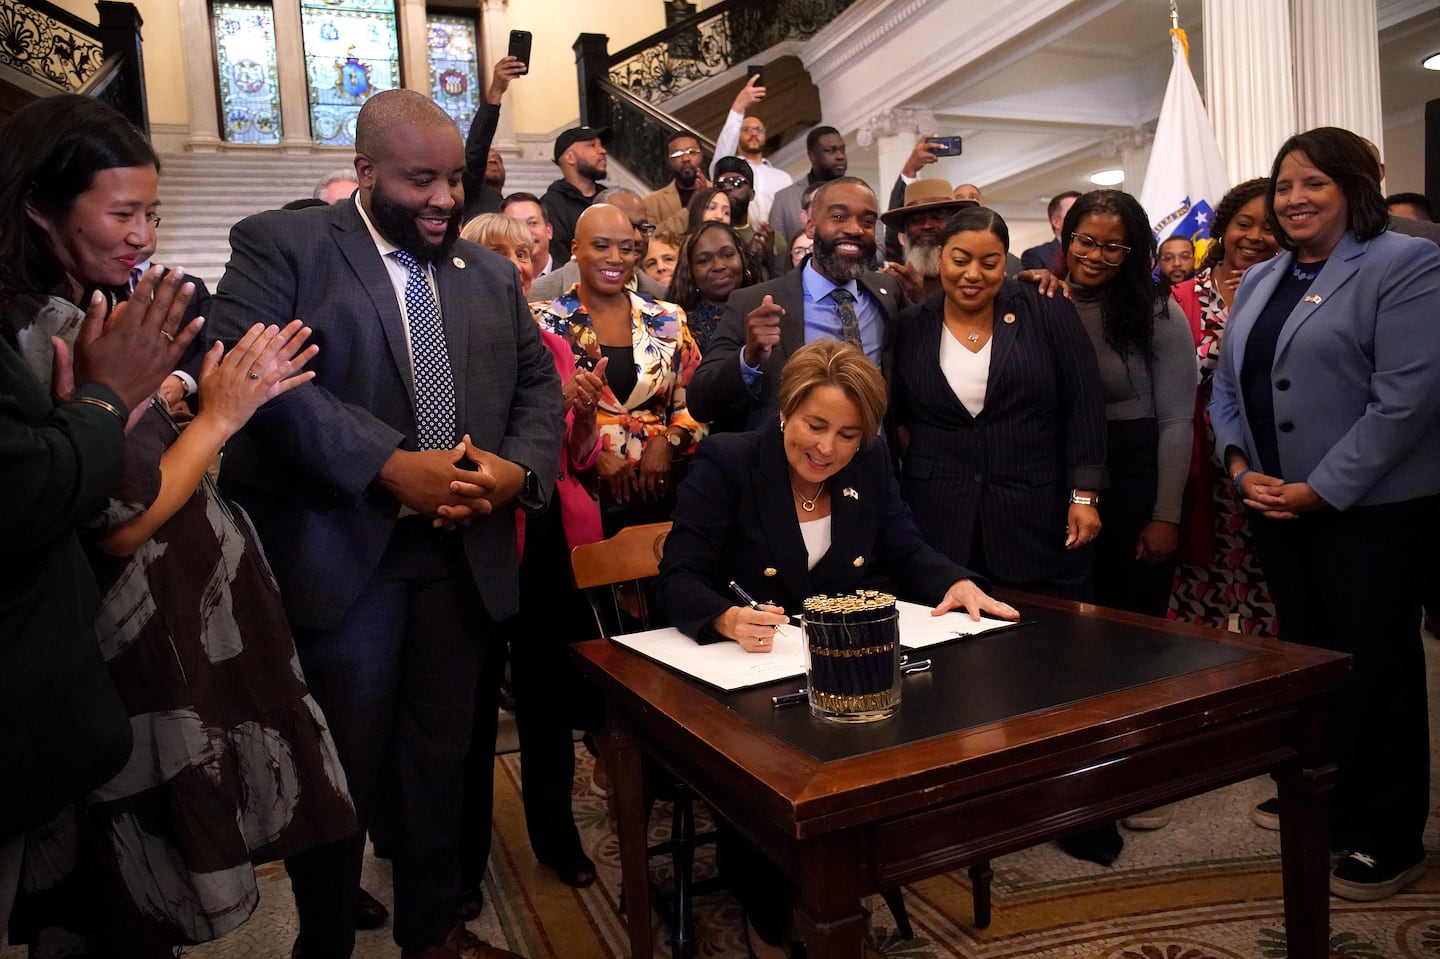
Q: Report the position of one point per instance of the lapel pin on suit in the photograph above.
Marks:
(459, 263)
(1009, 317)
(850, 492)
(858, 562)
(1312, 298)
(770, 571)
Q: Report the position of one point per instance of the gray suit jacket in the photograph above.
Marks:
(552, 284)
(1356, 376)
(718, 392)
(305, 465)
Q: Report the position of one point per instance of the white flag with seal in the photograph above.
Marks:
(1186, 176)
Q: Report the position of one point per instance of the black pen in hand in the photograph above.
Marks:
(749, 600)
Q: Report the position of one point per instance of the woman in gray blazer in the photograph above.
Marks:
(1325, 411)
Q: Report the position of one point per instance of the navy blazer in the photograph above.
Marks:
(718, 392)
(304, 467)
(735, 519)
(1040, 434)
(1356, 377)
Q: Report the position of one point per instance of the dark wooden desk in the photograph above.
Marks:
(849, 827)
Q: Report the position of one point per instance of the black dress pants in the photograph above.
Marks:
(1121, 580)
(1353, 582)
(551, 699)
(396, 680)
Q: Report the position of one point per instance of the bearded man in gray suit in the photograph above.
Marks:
(384, 492)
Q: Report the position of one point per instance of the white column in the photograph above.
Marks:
(294, 91)
(1134, 147)
(414, 46)
(1337, 66)
(201, 92)
(494, 44)
(1249, 80)
(894, 132)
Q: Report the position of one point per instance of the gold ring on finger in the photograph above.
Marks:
(168, 336)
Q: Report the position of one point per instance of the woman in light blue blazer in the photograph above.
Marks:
(1326, 410)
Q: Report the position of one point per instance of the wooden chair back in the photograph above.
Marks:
(622, 567)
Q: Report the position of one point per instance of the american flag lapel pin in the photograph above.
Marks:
(1312, 298)
(850, 492)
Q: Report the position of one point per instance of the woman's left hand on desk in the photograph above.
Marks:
(974, 600)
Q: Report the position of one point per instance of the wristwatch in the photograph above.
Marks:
(677, 440)
(1092, 500)
(530, 491)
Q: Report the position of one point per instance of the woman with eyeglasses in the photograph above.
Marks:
(1146, 356)
(1148, 375)
(1326, 410)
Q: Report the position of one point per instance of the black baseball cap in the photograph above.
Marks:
(738, 165)
(578, 135)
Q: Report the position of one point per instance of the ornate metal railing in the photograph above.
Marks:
(627, 91)
(53, 51)
(714, 40)
(638, 131)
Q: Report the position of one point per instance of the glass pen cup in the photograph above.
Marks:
(852, 659)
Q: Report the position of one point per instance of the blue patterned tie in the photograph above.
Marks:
(434, 386)
(849, 322)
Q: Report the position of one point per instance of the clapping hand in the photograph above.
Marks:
(265, 363)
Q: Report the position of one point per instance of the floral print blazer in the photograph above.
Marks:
(665, 359)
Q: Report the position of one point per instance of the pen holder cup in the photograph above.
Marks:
(853, 667)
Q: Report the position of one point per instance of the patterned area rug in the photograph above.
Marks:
(1205, 887)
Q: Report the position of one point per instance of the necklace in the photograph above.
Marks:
(1309, 274)
(973, 337)
(808, 505)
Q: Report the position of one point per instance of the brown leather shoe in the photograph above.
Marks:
(460, 944)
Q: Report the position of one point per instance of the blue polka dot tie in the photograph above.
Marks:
(845, 310)
(434, 386)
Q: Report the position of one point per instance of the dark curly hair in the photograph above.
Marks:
(682, 289)
(50, 152)
(1130, 299)
(1345, 158)
(1230, 204)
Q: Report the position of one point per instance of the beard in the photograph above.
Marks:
(591, 171)
(840, 269)
(923, 257)
(396, 222)
(495, 181)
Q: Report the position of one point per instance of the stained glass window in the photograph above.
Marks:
(454, 73)
(245, 53)
(351, 53)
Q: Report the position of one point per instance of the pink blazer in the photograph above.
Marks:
(579, 511)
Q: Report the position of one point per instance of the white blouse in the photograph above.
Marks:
(967, 373)
(816, 533)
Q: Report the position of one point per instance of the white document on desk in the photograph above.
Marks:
(724, 664)
(919, 629)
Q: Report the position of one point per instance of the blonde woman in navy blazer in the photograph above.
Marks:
(1326, 411)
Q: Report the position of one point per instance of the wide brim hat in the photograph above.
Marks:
(931, 193)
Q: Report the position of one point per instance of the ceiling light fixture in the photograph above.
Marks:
(1107, 177)
(1432, 62)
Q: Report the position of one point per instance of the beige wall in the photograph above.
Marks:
(541, 102)
(1405, 157)
(164, 68)
(549, 97)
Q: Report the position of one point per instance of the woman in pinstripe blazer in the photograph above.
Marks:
(997, 396)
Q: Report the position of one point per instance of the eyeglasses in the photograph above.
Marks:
(1110, 253)
(154, 219)
(732, 182)
(753, 129)
(645, 227)
(680, 154)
